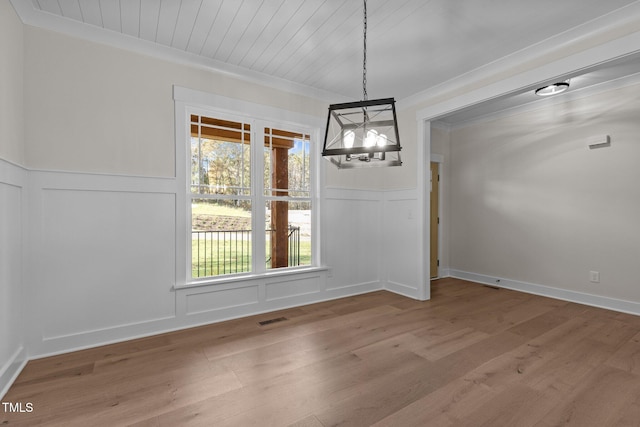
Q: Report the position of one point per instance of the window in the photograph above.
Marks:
(287, 195)
(248, 175)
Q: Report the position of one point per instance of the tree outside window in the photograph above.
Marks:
(226, 205)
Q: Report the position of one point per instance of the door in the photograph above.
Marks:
(435, 220)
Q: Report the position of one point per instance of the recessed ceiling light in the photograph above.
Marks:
(552, 89)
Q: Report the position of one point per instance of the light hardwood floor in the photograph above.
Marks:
(472, 356)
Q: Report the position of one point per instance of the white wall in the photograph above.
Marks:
(104, 251)
(11, 85)
(12, 197)
(104, 138)
(100, 109)
(103, 202)
(534, 207)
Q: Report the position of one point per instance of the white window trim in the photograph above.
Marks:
(188, 101)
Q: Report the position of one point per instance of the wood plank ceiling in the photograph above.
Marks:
(412, 44)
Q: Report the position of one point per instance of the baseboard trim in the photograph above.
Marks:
(12, 369)
(77, 342)
(614, 304)
(401, 289)
(442, 274)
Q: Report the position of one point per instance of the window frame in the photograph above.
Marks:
(188, 102)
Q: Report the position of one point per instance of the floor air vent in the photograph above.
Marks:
(270, 321)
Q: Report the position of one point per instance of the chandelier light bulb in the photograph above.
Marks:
(371, 139)
(349, 138)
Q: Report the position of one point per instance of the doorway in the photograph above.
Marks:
(434, 220)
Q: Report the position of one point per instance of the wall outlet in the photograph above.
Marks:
(594, 276)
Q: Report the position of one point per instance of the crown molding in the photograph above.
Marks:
(617, 29)
(40, 19)
(625, 20)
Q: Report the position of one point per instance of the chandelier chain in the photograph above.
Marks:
(364, 59)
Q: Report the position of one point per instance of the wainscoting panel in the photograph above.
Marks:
(352, 224)
(210, 299)
(402, 236)
(12, 223)
(103, 254)
(287, 288)
(105, 251)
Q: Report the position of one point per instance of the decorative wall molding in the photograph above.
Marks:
(337, 193)
(402, 242)
(243, 301)
(65, 198)
(548, 291)
(104, 247)
(13, 225)
(65, 180)
(11, 369)
(60, 299)
(12, 173)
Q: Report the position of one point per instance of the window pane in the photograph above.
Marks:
(220, 157)
(286, 158)
(220, 237)
(288, 233)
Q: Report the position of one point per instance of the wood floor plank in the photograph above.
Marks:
(49, 367)
(238, 344)
(444, 406)
(598, 401)
(516, 405)
(310, 421)
(627, 357)
(383, 393)
(437, 348)
(471, 356)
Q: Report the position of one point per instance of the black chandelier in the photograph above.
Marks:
(363, 133)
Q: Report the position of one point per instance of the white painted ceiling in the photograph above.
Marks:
(413, 45)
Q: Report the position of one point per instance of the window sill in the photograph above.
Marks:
(249, 277)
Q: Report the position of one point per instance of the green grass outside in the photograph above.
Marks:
(212, 258)
(208, 257)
